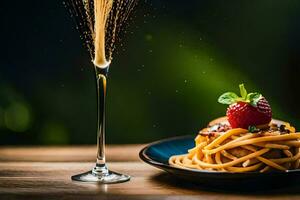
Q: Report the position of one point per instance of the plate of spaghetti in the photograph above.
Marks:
(246, 145)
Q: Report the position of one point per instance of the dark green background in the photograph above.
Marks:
(175, 60)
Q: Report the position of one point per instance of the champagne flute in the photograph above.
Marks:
(100, 173)
(98, 20)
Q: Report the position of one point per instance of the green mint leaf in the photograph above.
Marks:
(253, 98)
(228, 98)
(253, 129)
(243, 91)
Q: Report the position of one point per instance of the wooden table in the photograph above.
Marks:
(44, 173)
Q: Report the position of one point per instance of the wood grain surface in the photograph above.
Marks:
(44, 173)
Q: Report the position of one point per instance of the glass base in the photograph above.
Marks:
(101, 175)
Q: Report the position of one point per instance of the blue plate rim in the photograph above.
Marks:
(144, 157)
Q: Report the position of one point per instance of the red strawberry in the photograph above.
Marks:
(249, 110)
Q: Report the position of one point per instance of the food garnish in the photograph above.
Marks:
(249, 109)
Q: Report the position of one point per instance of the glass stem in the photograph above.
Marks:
(101, 78)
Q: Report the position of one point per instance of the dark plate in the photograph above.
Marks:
(158, 153)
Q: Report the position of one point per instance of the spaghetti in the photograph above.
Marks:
(275, 146)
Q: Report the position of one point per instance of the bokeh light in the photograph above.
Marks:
(17, 117)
